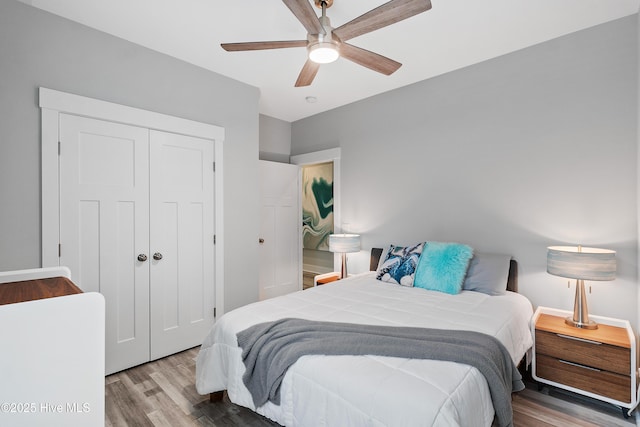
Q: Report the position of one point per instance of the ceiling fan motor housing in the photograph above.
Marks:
(327, 3)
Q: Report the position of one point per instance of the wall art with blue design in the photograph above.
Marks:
(317, 206)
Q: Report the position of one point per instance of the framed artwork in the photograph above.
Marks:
(317, 205)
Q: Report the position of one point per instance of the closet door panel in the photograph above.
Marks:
(167, 268)
(194, 263)
(104, 225)
(182, 232)
(123, 252)
(87, 273)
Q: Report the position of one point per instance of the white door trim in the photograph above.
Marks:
(331, 155)
(82, 106)
(53, 103)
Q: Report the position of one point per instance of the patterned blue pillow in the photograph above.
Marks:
(400, 264)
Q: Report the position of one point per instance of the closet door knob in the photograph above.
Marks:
(261, 240)
(157, 256)
(142, 257)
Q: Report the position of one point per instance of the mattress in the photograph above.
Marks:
(371, 390)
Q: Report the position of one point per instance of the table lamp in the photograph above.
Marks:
(581, 264)
(344, 244)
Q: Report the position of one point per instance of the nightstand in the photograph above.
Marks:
(598, 363)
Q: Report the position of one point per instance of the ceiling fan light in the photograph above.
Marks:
(323, 52)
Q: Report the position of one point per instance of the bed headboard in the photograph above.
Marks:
(512, 279)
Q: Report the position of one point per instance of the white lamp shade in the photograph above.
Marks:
(581, 263)
(344, 243)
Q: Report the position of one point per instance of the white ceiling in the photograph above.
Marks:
(452, 35)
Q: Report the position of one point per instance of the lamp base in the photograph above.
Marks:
(580, 318)
(590, 324)
(343, 271)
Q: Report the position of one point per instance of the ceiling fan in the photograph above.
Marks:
(326, 44)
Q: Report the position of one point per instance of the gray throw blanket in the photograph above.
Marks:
(269, 349)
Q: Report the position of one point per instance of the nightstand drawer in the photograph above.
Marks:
(584, 352)
(604, 383)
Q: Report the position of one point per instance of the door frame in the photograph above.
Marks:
(52, 103)
(324, 156)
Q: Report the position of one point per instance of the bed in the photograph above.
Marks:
(373, 390)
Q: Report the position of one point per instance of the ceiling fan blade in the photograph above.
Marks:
(387, 14)
(303, 10)
(308, 73)
(235, 47)
(368, 59)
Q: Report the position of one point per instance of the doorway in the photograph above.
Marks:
(321, 212)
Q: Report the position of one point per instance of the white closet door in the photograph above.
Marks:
(182, 241)
(280, 238)
(104, 214)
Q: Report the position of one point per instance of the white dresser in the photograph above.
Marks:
(52, 357)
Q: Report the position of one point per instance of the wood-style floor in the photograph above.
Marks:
(162, 393)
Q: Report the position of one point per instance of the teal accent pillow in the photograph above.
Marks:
(442, 267)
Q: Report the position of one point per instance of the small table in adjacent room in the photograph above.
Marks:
(323, 279)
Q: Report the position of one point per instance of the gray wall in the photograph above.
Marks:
(40, 49)
(275, 139)
(531, 149)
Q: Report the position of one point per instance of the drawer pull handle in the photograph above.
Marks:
(579, 365)
(579, 339)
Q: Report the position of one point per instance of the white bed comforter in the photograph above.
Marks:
(371, 390)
